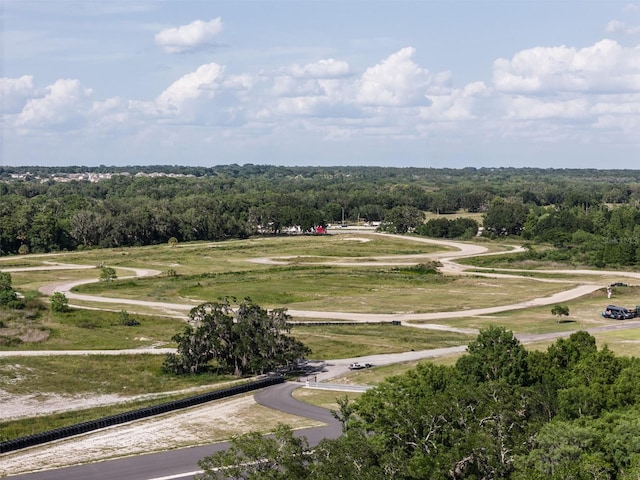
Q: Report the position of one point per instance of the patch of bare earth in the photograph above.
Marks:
(200, 425)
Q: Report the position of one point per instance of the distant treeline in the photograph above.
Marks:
(591, 214)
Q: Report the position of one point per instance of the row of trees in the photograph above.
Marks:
(566, 208)
(572, 412)
(243, 340)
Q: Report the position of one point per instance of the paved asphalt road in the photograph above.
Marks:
(183, 463)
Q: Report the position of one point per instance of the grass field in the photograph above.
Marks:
(325, 273)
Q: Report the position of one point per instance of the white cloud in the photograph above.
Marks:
(64, 105)
(552, 94)
(617, 26)
(396, 82)
(294, 87)
(459, 104)
(605, 66)
(201, 84)
(632, 7)
(189, 37)
(524, 108)
(14, 93)
(207, 97)
(328, 68)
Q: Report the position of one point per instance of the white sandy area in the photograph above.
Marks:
(195, 426)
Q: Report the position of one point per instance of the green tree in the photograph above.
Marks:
(246, 340)
(107, 274)
(59, 302)
(7, 295)
(560, 311)
(505, 218)
(559, 452)
(496, 354)
(403, 218)
(252, 456)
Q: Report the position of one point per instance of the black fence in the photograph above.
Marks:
(64, 432)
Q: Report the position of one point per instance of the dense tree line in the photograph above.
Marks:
(572, 412)
(569, 208)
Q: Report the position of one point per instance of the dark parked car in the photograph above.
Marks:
(618, 313)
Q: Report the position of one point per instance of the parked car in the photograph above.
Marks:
(618, 313)
(619, 284)
(359, 366)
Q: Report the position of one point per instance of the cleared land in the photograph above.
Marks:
(353, 273)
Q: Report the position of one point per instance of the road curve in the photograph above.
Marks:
(176, 462)
(449, 266)
(183, 463)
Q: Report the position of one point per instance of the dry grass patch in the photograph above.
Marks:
(324, 398)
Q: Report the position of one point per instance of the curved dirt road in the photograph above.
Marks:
(449, 266)
(339, 367)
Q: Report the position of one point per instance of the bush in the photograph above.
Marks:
(560, 311)
(126, 319)
(7, 341)
(108, 274)
(59, 302)
(429, 268)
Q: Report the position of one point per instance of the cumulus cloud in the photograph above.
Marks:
(196, 35)
(605, 66)
(525, 108)
(539, 92)
(201, 84)
(328, 68)
(617, 26)
(459, 104)
(293, 87)
(64, 104)
(14, 93)
(395, 82)
(206, 96)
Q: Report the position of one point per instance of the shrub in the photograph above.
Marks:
(108, 274)
(59, 302)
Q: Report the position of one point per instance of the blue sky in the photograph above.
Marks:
(522, 83)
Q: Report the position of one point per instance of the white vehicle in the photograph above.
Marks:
(359, 366)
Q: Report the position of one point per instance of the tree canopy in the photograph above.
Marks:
(241, 341)
(572, 412)
(588, 215)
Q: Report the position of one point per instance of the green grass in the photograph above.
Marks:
(213, 271)
(348, 289)
(100, 374)
(323, 398)
(584, 313)
(346, 341)
(81, 329)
